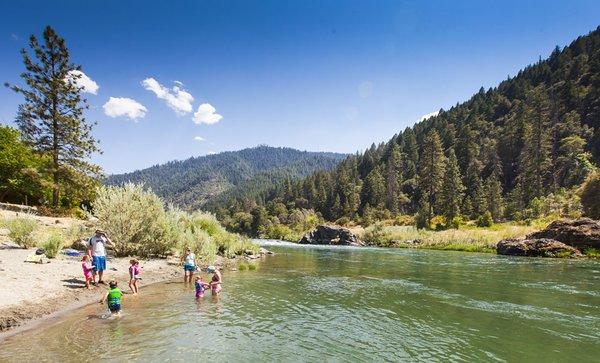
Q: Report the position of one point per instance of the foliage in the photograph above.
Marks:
(134, 219)
(590, 196)
(21, 170)
(53, 245)
(211, 182)
(21, 231)
(138, 224)
(517, 147)
(592, 252)
(51, 119)
(485, 220)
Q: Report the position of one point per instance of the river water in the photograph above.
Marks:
(346, 304)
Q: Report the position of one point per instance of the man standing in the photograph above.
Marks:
(97, 249)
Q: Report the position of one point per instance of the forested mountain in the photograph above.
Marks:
(193, 182)
(496, 155)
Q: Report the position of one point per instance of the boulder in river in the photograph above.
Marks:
(535, 247)
(331, 235)
(579, 233)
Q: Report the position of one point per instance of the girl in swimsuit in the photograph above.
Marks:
(215, 282)
(201, 286)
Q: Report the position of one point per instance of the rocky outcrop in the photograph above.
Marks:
(580, 233)
(331, 235)
(536, 247)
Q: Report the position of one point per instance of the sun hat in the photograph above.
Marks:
(210, 269)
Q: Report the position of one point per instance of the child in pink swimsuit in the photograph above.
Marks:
(87, 268)
(134, 275)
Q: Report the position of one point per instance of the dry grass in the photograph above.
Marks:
(467, 238)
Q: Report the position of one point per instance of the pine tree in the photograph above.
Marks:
(494, 198)
(394, 196)
(374, 189)
(51, 119)
(452, 190)
(431, 170)
(535, 162)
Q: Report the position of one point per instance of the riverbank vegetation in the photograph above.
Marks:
(139, 224)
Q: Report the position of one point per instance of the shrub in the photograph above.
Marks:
(134, 219)
(207, 222)
(485, 220)
(138, 223)
(376, 235)
(590, 196)
(75, 233)
(404, 220)
(200, 243)
(53, 245)
(344, 221)
(592, 252)
(21, 231)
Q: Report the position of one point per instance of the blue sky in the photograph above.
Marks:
(313, 75)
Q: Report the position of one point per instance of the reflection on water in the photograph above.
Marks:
(315, 304)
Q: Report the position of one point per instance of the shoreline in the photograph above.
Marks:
(37, 321)
(35, 293)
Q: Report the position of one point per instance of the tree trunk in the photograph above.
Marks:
(55, 174)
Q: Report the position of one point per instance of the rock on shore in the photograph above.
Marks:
(537, 247)
(561, 238)
(578, 233)
(331, 235)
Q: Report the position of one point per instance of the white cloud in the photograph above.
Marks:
(206, 114)
(177, 99)
(429, 115)
(122, 106)
(365, 89)
(83, 81)
(199, 138)
(14, 36)
(211, 153)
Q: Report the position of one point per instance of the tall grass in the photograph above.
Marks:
(468, 238)
(21, 231)
(53, 244)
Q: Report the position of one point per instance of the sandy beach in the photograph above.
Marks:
(31, 290)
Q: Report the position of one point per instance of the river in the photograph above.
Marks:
(346, 304)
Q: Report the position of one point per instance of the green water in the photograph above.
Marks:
(347, 304)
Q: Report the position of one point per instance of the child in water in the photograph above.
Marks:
(201, 286)
(215, 281)
(134, 275)
(113, 297)
(87, 270)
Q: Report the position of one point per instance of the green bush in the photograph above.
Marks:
(134, 219)
(138, 224)
(404, 220)
(376, 235)
(485, 220)
(20, 231)
(206, 222)
(590, 196)
(200, 243)
(53, 245)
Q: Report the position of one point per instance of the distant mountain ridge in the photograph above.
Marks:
(192, 183)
